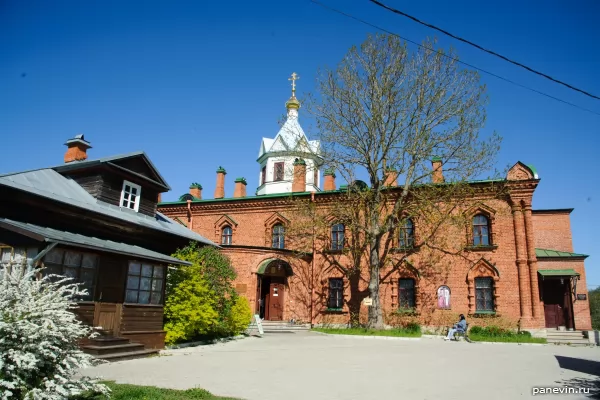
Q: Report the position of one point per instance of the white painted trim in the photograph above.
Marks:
(137, 196)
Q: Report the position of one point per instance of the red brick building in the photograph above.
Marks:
(518, 264)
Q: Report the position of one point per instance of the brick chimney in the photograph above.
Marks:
(196, 190)
(220, 189)
(77, 149)
(159, 198)
(391, 177)
(437, 176)
(299, 182)
(329, 178)
(240, 187)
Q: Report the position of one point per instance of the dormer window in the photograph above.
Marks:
(130, 196)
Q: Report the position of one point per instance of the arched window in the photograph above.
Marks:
(226, 235)
(406, 236)
(278, 236)
(484, 294)
(481, 230)
(337, 237)
(406, 293)
(336, 293)
(443, 295)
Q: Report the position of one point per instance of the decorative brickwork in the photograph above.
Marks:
(510, 261)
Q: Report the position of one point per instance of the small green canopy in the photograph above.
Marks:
(557, 272)
(262, 268)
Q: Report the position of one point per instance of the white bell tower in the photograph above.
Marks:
(276, 156)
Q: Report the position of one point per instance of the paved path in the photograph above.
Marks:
(318, 367)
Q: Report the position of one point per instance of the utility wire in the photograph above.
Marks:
(395, 11)
(452, 58)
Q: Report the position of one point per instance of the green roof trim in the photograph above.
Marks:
(546, 253)
(196, 185)
(533, 171)
(329, 172)
(264, 196)
(185, 197)
(436, 159)
(557, 272)
(342, 189)
(221, 170)
(241, 180)
(262, 268)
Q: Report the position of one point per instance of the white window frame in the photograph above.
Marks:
(137, 196)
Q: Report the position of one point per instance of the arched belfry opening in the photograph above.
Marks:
(271, 277)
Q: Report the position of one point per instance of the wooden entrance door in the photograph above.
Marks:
(108, 316)
(276, 301)
(556, 303)
(109, 294)
(110, 287)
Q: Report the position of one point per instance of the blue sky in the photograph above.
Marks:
(198, 84)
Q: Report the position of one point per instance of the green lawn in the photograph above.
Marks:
(133, 392)
(371, 332)
(506, 339)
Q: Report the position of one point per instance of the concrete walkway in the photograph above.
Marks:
(301, 366)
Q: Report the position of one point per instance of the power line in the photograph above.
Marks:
(395, 11)
(453, 58)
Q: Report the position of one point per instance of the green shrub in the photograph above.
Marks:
(476, 330)
(497, 332)
(219, 275)
(412, 327)
(240, 316)
(594, 298)
(200, 298)
(189, 307)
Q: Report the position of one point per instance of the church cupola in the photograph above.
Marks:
(293, 105)
(278, 173)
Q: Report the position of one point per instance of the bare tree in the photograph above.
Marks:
(382, 115)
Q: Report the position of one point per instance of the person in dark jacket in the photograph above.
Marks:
(460, 326)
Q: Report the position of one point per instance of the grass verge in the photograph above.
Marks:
(133, 392)
(497, 334)
(506, 339)
(371, 332)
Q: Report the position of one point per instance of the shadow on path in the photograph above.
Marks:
(592, 384)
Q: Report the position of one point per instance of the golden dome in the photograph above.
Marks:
(292, 103)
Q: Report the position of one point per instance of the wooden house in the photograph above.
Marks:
(96, 221)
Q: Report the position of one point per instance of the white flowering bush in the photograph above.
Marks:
(39, 354)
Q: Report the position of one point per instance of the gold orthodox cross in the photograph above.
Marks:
(293, 79)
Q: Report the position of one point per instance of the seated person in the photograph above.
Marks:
(460, 326)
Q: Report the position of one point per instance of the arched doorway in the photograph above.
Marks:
(271, 278)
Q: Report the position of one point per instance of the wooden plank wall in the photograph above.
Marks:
(141, 318)
(85, 313)
(143, 324)
(108, 188)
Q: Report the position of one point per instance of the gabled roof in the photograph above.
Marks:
(49, 184)
(291, 137)
(74, 239)
(114, 161)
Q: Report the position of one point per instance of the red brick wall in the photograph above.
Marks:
(553, 231)
(581, 308)
(252, 220)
